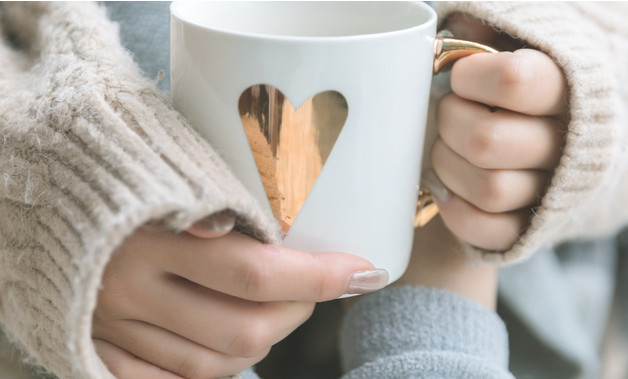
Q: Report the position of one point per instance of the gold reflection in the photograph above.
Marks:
(290, 146)
(426, 208)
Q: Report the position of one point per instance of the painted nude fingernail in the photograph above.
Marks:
(221, 222)
(432, 182)
(367, 281)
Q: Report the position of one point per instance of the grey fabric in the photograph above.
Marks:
(417, 332)
(144, 31)
(555, 306)
(621, 298)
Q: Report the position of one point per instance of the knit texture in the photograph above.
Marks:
(417, 332)
(90, 152)
(587, 40)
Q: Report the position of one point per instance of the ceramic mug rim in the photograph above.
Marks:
(187, 13)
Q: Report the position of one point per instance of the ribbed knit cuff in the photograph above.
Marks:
(580, 46)
(412, 331)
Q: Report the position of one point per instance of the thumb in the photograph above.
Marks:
(214, 226)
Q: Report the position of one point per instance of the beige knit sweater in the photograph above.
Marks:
(90, 151)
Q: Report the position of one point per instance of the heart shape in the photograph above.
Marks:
(290, 147)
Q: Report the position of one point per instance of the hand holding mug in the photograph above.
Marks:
(210, 302)
(501, 133)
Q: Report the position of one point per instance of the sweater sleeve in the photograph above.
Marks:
(89, 152)
(587, 195)
(418, 332)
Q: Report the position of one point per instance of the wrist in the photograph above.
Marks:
(438, 261)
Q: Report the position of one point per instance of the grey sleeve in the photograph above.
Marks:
(418, 332)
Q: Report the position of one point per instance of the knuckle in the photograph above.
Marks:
(483, 142)
(513, 77)
(195, 364)
(492, 194)
(317, 287)
(254, 276)
(253, 339)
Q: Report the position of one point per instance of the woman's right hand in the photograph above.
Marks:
(209, 302)
(501, 135)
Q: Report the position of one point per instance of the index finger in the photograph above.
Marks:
(244, 267)
(525, 81)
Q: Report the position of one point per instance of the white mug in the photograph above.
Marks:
(320, 110)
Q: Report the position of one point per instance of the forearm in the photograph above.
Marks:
(586, 195)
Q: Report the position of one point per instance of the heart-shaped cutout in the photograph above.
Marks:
(290, 147)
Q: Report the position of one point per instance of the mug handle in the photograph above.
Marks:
(446, 51)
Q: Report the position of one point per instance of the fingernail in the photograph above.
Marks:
(366, 281)
(221, 222)
(432, 182)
